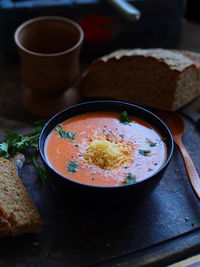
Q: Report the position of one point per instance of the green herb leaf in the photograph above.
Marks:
(130, 179)
(64, 134)
(59, 128)
(72, 167)
(124, 117)
(4, 150)
(164, 139)
(18, 143)
(151, 144)
(12, 138)
(144, 152)
(38, 125)
(26, 141)
(14, 142)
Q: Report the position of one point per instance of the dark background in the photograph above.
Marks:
(155, 233)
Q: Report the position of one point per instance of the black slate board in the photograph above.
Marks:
(70, 237)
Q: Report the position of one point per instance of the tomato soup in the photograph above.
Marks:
(105, 149)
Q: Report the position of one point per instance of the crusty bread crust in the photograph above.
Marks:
(172, 58)
(16, 205)
(159, 78)
(195, 57)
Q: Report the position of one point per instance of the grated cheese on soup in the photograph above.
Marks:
(108, 154)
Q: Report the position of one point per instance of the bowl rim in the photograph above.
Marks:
(101, 102)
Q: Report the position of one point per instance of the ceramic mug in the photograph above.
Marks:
(49, 50)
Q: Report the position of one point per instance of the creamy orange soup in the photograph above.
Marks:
(98, 149)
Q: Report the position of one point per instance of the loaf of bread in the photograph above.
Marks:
(159, 78)
(18, 214)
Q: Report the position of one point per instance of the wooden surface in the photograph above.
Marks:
(73, 237)
(132, 237)
(189, 165)
(187, 262)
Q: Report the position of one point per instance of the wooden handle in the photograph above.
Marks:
(190, 168)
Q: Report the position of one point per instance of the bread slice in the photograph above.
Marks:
(16, 205)
(159, 78)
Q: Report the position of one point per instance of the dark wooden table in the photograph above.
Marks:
(161, 229)
(154, 233)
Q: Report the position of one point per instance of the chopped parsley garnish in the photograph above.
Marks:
(130, 179)
(151, 144)
(72, 167)
(164, 139)
(124, 117)
(144, 152)
(64, 134)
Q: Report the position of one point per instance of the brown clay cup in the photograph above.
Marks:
(49, 50)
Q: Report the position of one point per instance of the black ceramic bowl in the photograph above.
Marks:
(82, 192)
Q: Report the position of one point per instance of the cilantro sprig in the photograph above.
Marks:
(15, 142)
(124, 117)
(65, 134)
(72, 167)
(164, 139)
(144, 152)
(130, 179)
(151, 144)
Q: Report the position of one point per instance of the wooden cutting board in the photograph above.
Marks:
(159, 230)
